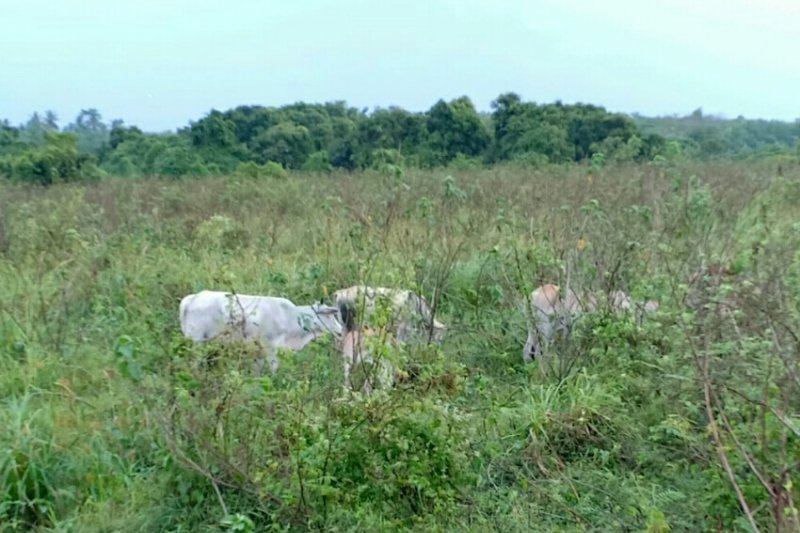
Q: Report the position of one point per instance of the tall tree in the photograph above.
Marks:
(456, 128)
(285, 143)
(51, 120)
(32, 132)
(90, 130)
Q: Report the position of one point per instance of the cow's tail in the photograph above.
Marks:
(183, 310)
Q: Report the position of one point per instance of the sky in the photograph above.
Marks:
(159, 64)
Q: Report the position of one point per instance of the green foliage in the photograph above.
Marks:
(90, 130)
(274, 169)
(46, 465)
(321, 137)
(558, 132)
(179, 160)
(153, 155)
(285, 143)
(125, 350)
(121, 134)
(455, 128)
(238, 523)
(620, 151)
(318, 162)
(34, 131)
(214, 131)
(462, 162)
(270, 169)
(26, 493)
(58, 160)
(221, 232)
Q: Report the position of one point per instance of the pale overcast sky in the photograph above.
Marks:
(160, 63)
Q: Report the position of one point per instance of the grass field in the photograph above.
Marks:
(686, 421)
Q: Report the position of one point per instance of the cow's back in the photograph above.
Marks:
(553, 312)
(209, 314)
(410, 313)
(358, 302)
(546, 299)
(265, 318)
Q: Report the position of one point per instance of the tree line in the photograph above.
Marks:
(710, 136)
(257, 140)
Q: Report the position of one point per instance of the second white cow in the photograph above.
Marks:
(377, 317)
(410, 315)
(271, 322)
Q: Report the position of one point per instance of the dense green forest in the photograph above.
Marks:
(256, 140)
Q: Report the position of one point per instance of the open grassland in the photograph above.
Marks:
(686, 421)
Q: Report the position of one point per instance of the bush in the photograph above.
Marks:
(57, 161)
(221, 232)
(253, 170)
(318, 162)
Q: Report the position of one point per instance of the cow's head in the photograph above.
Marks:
(326, 318)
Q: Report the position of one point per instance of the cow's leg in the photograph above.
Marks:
(272, 355)
(538, 334)
(386, 374)
(268, 355)
(531, 346)
(258, 367)
(347, 360)
(368, 376)
(381, 374)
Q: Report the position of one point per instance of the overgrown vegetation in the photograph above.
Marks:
(686, 421)
(263, 141)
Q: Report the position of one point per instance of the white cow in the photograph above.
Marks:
(553, 314)
(410, 315)
(269, 321)
(403, 316)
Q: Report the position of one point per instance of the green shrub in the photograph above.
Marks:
(318, 162)
(270, 169)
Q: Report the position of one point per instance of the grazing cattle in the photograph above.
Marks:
(552, 313)
(404, 317)
(358, 347)
(410, 316)
(271, 322)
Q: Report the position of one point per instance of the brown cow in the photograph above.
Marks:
(553, 313)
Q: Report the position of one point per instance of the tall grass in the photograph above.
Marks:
(686, 421)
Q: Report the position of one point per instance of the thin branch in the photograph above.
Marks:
(182, 457)
(781, 418)
(720, 445)
(744, 453)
